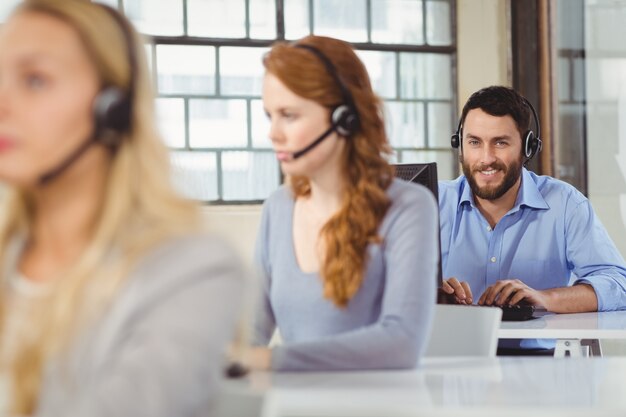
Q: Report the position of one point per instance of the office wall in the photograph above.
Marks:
(482, 46)
(238, 225)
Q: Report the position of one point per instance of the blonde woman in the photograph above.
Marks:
(112, 303)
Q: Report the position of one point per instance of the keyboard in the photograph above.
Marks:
(517, 312)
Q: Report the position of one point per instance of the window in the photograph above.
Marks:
(570, 146)
(205, 56)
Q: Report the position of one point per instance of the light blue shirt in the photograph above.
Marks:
(550, 238)
(387, 322)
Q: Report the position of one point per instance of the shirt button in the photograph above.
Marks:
(493, 259)
(489, 228)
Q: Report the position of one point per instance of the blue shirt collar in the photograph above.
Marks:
(528, 196)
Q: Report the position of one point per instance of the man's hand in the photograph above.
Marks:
(512, 291)
(460, 291)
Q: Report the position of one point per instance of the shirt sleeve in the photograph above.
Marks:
(264, 321)
(594, 259)
(398, 338)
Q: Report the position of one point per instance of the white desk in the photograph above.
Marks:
(572, 331)
(505, 386)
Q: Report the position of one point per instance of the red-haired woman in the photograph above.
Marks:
(348, 253)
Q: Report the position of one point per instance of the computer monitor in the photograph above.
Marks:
(426, 175)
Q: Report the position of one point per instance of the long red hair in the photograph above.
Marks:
(367, 174)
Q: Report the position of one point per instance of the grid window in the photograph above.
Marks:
(398, 21)
(216, 18)
(381, 67)
(206, 60)
(171, 121)
(215, 123)
(241, 70)
(405, 124)
(425, 76)
(262, 19)
(185, 69)
(343, 19)
(165, 20)
(5, 8)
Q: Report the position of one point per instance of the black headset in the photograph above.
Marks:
(531, 142)
(344, 117)
(112, 107)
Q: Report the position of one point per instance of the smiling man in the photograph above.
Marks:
(509, 235)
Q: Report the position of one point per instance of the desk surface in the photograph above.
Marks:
(605, 325)
(455, 387)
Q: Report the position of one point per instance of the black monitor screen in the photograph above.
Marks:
(425, 174)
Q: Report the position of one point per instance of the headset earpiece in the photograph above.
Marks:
(455, 140)
(532, 145)
(528, 144)
(345, 120)
(112, 107)
(344, 117)
(111, 113)
(532, 141)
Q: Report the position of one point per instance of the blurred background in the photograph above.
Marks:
(425, 57)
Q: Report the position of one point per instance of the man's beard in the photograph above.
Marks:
(511, 175)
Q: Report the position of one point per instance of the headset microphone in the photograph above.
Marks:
(58, 170)
(111, 118)
(341, 118)
(313, 144)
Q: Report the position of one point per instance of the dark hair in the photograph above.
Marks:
(498, 100)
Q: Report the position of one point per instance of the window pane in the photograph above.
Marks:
(570, 16)
(446, 163)
(296, 19)
(6, 7)
(424, 75)
(249, 175)
(112, 3)
(579, 79)
(217, 123)
(194, 174)
(263, 19)
(148, 48)
(381, 67)
(343, 19)
(564, 71)
(571, 136)
(171, 120)
(165, 20)
(186, 69)
(216, 18)
(440, 124)
(260, 125)
(241, 70)
(438, 30)
(405, 124)
(397, 21)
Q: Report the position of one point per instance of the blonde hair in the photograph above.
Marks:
(140, 207)
(366, 172)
